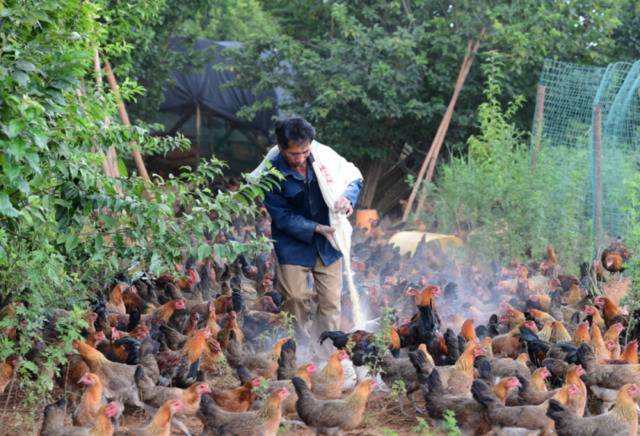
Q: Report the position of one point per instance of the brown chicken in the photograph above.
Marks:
(425, 297)
(328, 382)
(622, 419)
(54, 416)
(304, 372)
(468, 332)
(7, 371)
(165, 312)
(263, 422)
(508, 345)
(582, 335)
(549, 266)
(116, 302)
(262, 364)
(117, 378)
(596, 317)
(156, 396)
(457, 378)
(238, 399)
(505, 385)
(512, 317)
(599, 346)
(603, 378)
(615, 256)
(630, 353)
(160, 425)
(231, 325)
(90, 402)
(578, 402)
(610, 310)
(212, 320)
(527, 417)
(345, 414)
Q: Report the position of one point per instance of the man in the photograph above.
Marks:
(301, 229)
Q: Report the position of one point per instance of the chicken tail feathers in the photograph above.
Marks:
(434, 383)
(485, 371)
(482, 394)
(338, 338)
(558, 413)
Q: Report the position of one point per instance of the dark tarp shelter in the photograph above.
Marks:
(198, 104)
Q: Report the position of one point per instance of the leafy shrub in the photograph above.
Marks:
(506, 208)
(65, 228)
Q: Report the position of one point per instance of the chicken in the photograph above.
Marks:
(53, 422)
(231, 326)
(596, 317)
(359, 343)
(425, 297)
(263, 364)
(468, 332)
(549, 266)
(122, 349)
(610, 310)
(164, 313)
(117, 378)
(345, 414)
(457, 378)
(212, 320)
(630, 353)
(328, 382)
(90, 402)
(7, 371)
(116, 303)
(263, 422)
(578, 403)
(582, 335)
(160, 424)
(508, 345)
(615, 256)
(622, 419)
(469, 414)
(287, 360)
(238, 399)
(598, 344)
(304, 372)
(528, 417)
(531, 392)
(505, 385)
(156, 396)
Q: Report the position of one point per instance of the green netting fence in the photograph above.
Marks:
(590, 117)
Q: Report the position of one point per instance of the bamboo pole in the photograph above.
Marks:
(539, 118)
(434, 149)
(597, 194)
(124, 116)
(198, 127)
(111, 157)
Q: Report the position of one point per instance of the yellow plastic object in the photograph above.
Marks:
(408, 241)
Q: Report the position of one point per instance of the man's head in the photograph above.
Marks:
(294, 140)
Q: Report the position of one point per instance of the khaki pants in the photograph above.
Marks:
(293, 284)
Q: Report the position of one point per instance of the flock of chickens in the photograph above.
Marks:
(521, 349)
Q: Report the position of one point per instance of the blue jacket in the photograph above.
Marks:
(296, 208)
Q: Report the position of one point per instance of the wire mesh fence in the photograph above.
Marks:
(591, 114)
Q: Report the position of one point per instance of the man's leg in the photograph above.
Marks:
(293, 285)
(328, 286)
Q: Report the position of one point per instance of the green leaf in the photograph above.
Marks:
(6, 208)
(122, 168)
(25, 66)
(13, 128)
(21, 77)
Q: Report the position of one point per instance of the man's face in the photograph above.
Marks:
(296, 154)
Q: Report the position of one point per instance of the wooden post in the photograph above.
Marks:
(539, 118)
(124, 116)
(431, 158)
(597, 190)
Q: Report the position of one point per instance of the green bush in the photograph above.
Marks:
(505, 208)
(64, 227)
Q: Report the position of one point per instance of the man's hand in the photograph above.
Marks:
(343, 205)
(325, 231)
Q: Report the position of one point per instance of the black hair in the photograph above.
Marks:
(294, 130)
